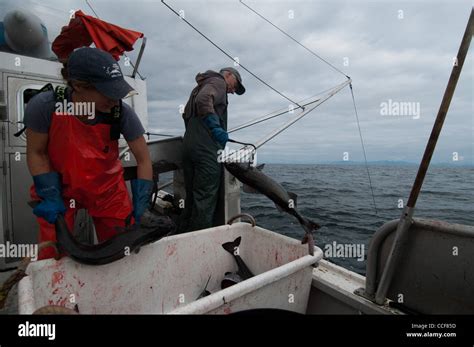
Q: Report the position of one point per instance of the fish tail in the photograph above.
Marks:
(310, 226)
(230, 246)
(309, 239)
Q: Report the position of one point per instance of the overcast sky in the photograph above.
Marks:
(396, 50)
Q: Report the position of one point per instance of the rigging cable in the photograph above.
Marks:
(335, 68)
(301, 114)
(363, 148)
(292, 38)
(278, 112)
(265, 118)
(148, 134)
(229, 56)
(290, 122)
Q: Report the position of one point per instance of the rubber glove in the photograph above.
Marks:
(48, 188)
(141, 191)
(218, 133)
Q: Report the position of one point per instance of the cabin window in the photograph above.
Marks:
(24, 95)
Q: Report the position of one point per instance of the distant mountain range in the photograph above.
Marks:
(382, 163)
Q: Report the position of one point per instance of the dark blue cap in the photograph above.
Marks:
(99, 68)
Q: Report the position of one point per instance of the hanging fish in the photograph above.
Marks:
(284, 201)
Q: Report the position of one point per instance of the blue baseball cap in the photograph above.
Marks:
(99, 68)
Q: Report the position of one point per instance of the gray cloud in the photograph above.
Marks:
(403, 60)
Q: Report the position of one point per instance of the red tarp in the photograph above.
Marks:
(83, 30)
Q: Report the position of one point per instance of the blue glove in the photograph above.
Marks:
(218, 133)
(141, 191)
(48, 188)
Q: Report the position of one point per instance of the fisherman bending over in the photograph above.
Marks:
(73, 158)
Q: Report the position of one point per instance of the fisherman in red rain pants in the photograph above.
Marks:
(73, 157)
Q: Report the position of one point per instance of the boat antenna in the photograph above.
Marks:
(228, 55)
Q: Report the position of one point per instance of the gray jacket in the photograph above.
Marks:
(209, 96)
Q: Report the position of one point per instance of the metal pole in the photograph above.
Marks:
(406, 218)
(135, 68)
(301, 115)
(266, 117)
(245, 152)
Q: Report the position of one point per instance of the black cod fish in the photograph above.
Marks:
(117, 247)
(243, 271)
(284, 201)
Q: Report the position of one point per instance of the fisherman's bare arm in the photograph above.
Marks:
(140, 151)
(37, 152)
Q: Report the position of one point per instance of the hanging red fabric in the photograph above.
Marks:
(83, 30)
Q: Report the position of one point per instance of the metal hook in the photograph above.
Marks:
(252, 220)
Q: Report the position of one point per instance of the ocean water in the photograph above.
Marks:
(339, 198)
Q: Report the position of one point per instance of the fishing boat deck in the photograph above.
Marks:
(332, 292)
